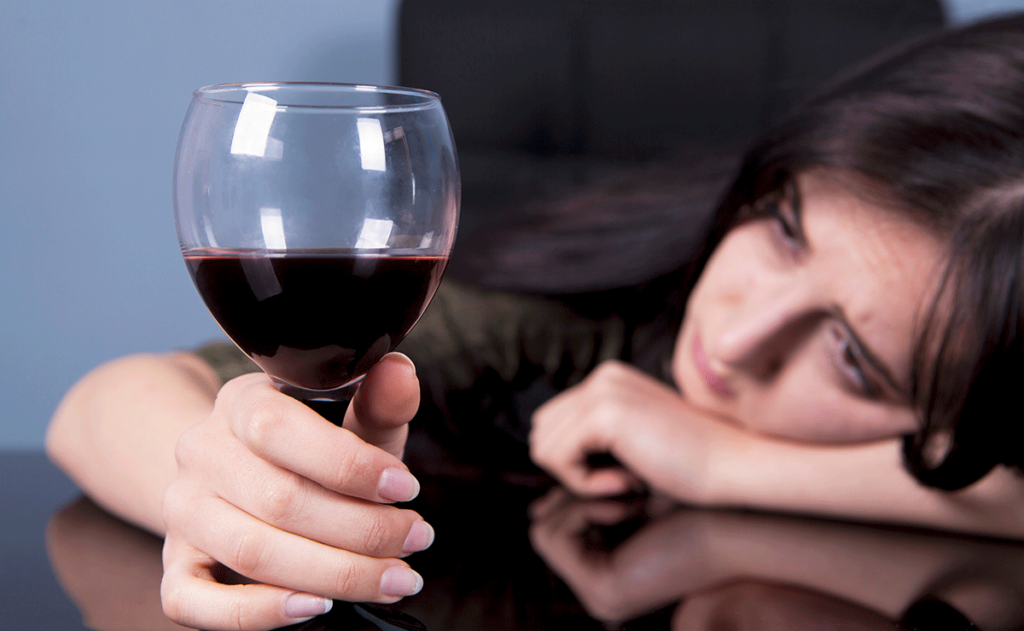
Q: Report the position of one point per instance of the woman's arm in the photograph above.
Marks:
(860, 482)
(678, 450)
(114, 432)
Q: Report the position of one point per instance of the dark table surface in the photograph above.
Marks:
(509, 556)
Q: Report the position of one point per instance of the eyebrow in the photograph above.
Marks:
(874, 361)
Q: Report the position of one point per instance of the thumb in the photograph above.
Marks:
(385, 402)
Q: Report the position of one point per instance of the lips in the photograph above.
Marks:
(715, 383)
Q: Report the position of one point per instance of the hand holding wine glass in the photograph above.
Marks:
(316, 221)
(298, 510)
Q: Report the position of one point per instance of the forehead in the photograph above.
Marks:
(872, 261)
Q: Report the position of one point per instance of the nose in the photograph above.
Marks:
(765, 328)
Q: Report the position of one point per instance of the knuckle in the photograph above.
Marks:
(283, 500)
(179, 504)
(188, 447)
(235, 388)
(171, 504)
(173, 601)
(343, 471)
(250, 555)
(537, 452)
(351, 465)
(610, 371)
(241, 615)
(347, 580)
(261, 426)
(377, 536)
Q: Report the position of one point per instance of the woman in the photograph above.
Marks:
(849, 349)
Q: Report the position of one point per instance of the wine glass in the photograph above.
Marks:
(316, 221)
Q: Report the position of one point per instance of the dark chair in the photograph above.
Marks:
(548, 98)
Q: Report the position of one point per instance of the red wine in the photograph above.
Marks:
(315, 319)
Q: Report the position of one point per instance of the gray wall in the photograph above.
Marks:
(960, 11)
(91, 98)
(92, 95)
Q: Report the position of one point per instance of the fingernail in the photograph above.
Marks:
(306, 606)
(404, 359)
(400, 581)
(398, 485)
(421, 535)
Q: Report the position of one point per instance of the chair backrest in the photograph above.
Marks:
(549, 97)
(630, 78)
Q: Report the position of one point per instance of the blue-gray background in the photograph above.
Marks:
(91, 99)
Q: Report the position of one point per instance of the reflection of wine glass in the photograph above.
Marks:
(316, 221)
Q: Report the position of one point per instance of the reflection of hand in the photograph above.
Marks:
(109, 569)
(294, 504)
(646, 425)
(715, 560)
(650, 569)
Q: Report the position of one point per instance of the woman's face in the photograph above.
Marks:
(803, 323)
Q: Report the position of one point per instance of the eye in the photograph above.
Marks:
(850, 363)
(783, 210)
(786, 223)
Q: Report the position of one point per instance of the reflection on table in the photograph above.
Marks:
(524, 557)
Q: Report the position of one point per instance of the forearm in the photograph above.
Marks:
(114, 432)
(861, 482)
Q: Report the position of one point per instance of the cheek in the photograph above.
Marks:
(716, 290)
(729, 268)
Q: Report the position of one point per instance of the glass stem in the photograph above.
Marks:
(330, 404)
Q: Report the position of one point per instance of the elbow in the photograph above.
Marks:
(52, 443)
(71, 434)
(63, 433)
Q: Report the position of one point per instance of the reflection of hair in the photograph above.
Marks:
(939, 125)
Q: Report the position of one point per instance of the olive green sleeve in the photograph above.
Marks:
(467, 331)
(226, 359)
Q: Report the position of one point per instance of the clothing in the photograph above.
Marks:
(487, 359)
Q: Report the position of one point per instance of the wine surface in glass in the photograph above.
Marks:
(316, 319)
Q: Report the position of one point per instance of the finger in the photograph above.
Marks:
(562, 448)
(267, 555)
(192, 597)
(296, 504)
(558, 501)
(602, 512)
(302, 507)
(386, 401)
(570, 429)
(607, 482)
(587, 571)
(605, 587)
(285, 432)
(564, 430)
(565, 457)
(548, 431)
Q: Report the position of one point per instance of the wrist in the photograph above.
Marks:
(728, 461)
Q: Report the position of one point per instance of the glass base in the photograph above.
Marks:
(330, 404)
